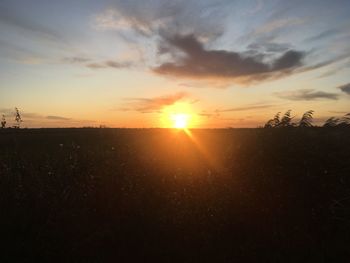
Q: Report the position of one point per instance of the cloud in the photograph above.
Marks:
(150, 105)
(149, 18)
(60, 118)
(12, 19)
(76, 60)
(336, 68)
(182, 39)
(269, 47)
(195, 61)
(345, 88)
(97, 65)
(110, 64)
(209, 115)
(248, 107)
(306, 94)
(325, 34)
(277, 24)
(218, 112)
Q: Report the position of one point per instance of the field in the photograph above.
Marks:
(158, 195)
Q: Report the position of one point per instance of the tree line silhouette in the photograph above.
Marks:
(306, 120)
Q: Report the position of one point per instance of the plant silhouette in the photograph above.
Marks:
(286, 120)
(3, 122)
(306, 120)
(18, 118)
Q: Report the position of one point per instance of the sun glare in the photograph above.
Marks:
(180, 121)
(179, 116)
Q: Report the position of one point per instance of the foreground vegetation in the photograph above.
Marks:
(230, 195)
(306, 121)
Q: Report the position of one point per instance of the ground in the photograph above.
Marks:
(225, 195)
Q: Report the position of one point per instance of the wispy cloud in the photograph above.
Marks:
(149, 18)
(218, 112)
(150, 105)
(60, 118)
(307, 95)
(12, 19)
(248, 107)
(110, 64)
(76, 60)
(274, 25)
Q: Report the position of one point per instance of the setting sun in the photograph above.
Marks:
(180, 115)
(180, 121)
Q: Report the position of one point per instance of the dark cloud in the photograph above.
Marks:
(198, 62)
(149, 105)
(59, 118)
(345, 88)
(306, 94)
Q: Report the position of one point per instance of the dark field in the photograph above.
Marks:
(127, 195)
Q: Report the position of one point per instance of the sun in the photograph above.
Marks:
(180, 120)
(180, 115)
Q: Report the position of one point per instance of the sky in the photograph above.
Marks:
(134, 63)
